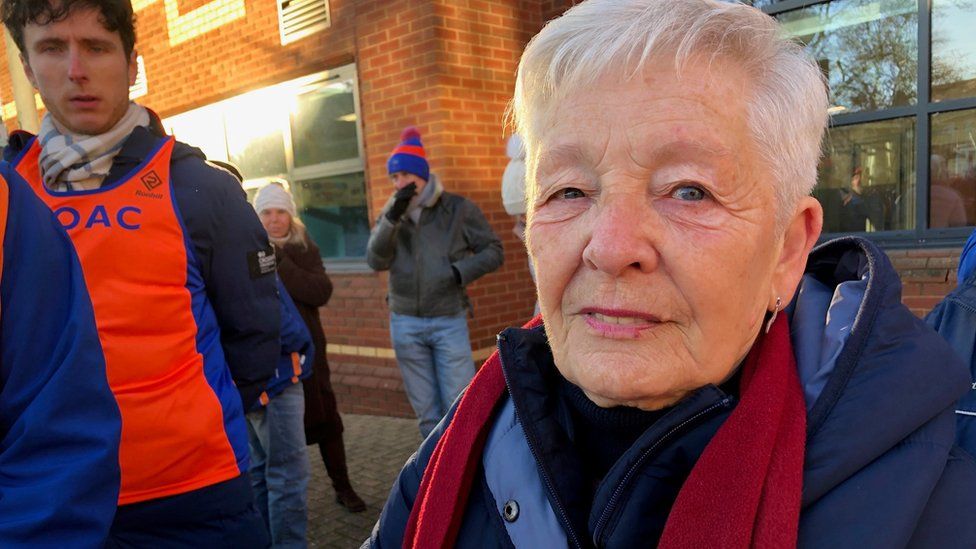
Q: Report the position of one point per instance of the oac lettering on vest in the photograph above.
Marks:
(127, 217)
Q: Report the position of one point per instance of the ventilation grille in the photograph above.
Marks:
(141, 87)
(300, 18)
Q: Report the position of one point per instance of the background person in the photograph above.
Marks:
(853, 208)
(275, 428)
(513, 185)
(955, 319)
(434, 243)
(276, 438)
(513, 192)
(301, 271)
(700, 379)
(189, 321)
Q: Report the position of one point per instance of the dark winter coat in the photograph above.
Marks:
(300, 269)
(880, 471)
(452, 234)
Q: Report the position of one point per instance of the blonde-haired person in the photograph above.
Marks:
(300, 269)
(698, 377)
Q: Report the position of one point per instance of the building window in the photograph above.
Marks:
(952, 169)
(867, 49)
(867, 177)
(307, 132)
(900, 160)
(953, 49)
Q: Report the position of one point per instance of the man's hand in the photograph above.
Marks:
(401, 201)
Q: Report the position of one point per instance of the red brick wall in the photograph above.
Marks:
(926, 275)
(446, 66)
(242, 55)
(555, 8)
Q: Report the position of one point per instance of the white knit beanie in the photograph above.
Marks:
(274, 195)
(513, 180)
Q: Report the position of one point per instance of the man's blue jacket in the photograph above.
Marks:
(59, 422)
(297, 351)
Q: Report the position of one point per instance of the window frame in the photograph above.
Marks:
(295, 174)
(336, 167)
(923, 109)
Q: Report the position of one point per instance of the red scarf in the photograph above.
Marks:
(743, 492)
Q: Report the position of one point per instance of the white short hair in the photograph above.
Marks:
(787, 113)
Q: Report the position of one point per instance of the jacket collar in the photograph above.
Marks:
(892, 376)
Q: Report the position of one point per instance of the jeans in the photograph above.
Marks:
(279, 466)
(434, 356)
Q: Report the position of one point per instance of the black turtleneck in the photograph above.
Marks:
(602, 435)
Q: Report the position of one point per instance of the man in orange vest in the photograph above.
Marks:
(178, 266)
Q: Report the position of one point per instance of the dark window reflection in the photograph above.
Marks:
(334, 210)
(952, 192)
(323, 129)
(953, 49)
(866, 180)
(867, 48)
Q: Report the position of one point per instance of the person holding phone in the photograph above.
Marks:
(434, 243)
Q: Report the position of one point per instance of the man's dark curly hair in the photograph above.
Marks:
(115, 15)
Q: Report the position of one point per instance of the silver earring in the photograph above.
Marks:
(769, 323)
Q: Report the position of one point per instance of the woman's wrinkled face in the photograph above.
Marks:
(276, 221)
(653, 234)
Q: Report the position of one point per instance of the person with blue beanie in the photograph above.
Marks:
(434, 243)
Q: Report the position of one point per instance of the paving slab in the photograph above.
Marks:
(376, 449)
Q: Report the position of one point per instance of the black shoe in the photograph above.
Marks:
(351, 501)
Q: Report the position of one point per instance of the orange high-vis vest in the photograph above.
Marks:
(182, 423)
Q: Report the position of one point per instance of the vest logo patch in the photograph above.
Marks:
(144, 194)
(151, 180)
(261, 262)
(126, 217)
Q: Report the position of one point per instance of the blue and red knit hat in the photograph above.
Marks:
(409, 155)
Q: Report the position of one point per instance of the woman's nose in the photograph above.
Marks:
(621, 237)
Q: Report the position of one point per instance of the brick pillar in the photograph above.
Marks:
(448, 67)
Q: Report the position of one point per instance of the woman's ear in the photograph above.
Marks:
(799, 237)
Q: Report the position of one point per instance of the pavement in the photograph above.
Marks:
(376, 449)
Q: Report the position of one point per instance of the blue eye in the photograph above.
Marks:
(689, 193)
(571, 193)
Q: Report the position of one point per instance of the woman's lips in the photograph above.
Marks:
(618, 324)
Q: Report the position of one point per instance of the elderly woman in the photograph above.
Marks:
(698, 380)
